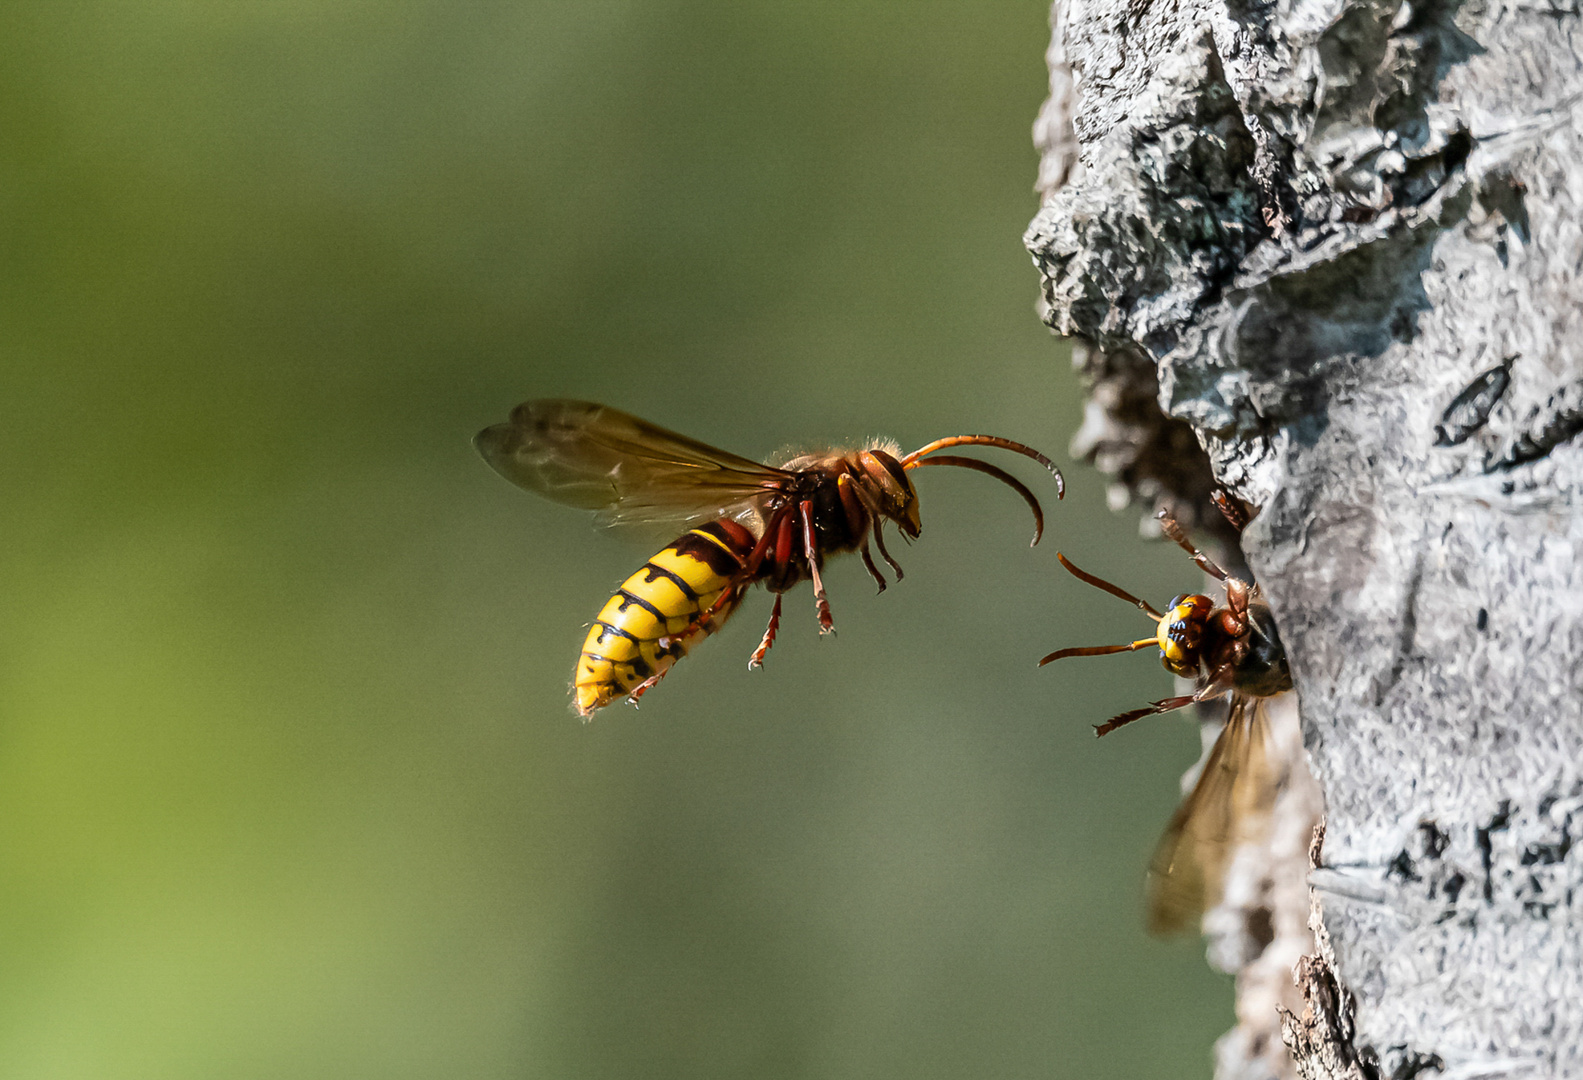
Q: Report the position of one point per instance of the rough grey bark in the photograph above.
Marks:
(1337, 244)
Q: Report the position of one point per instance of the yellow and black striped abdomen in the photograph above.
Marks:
(654, 618)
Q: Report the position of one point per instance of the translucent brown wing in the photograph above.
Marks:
(1228, 806)
(628, 470)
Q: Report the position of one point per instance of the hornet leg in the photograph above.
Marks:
(757, 659)
(1230, 507)
(811, 551)
(706, 623)
(1174, 531)
(868, 563)
(1221, 680)
(644, 687)
(764, 548)
(877, 522)
(860, 520)
(1163, 705)
(879, 542)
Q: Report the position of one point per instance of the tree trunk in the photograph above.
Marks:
(1337, 245)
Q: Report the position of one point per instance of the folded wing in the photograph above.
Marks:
(1228, 806)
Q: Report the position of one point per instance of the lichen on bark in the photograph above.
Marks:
(1329, 254)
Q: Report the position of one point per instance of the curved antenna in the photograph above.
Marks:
(914, 459)
(1099, 650)
(1113, 590)
(999, 474)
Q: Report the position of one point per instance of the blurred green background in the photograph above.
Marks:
(289, 786)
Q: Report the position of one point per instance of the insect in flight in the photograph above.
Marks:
(747, 522)
(1230, 649)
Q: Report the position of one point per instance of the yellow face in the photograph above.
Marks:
(1181, 632)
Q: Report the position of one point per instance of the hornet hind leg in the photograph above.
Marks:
(757, 659)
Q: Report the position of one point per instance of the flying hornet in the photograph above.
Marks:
(745, 522)
(1230, 648)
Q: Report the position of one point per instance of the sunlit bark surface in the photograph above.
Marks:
(1337, 244)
